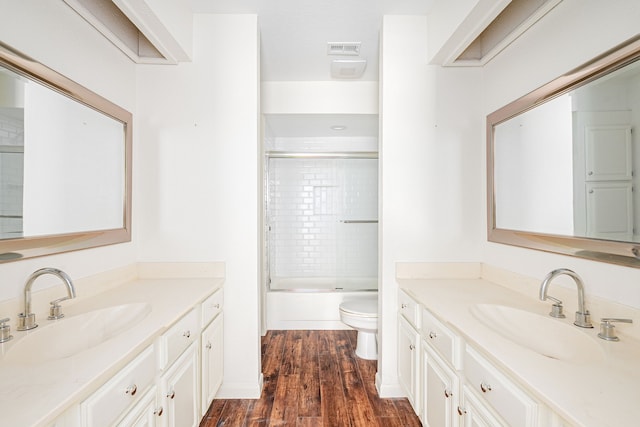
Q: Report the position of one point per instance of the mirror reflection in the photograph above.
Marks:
(62, 163)
(566, 167)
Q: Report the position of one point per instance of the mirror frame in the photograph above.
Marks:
(34, 246)
(615, 252)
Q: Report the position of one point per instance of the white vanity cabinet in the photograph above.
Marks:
(440, 391)
(180, 392)
(170, 384)
(145, 413)
(474, 413)
(211, 349)
(409, 348)
(498, 392)
(439, 385)
(211, 361)
(454, 384)
(105, 406)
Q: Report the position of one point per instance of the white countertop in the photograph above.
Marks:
(35, 394)
(589, 393)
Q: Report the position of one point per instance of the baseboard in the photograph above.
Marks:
(290, 325)
(241, 390)
(388, 390)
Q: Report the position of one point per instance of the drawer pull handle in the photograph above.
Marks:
(403, 305)
(432, 334)
(485, 387)
(187, 334)
(208, 346)
(216, 306)
(171, 395)
(412, 347)
(132, 389)
(461, 411)
(447, 393)
(158, 411)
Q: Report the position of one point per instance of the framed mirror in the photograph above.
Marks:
(563, 163)
(65, 163)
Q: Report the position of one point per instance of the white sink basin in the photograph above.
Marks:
(544, 335)
(73, 335)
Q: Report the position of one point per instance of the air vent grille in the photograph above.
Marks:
(343, 49)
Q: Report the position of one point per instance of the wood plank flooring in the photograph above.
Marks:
(313, 379)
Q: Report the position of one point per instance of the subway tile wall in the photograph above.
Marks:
(11, 173)
(309, 201)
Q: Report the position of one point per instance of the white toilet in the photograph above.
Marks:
(362, 315)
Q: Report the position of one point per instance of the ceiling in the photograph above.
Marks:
(294, 35)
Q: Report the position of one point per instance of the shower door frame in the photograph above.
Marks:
(268, 155)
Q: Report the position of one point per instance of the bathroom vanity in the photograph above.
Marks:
(145, 352)
(474, 352)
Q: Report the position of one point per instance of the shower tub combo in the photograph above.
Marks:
(312, 303)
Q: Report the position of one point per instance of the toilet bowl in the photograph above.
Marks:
(362, 315)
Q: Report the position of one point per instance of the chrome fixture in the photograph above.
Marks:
(607, 331)
(5, 330)
(27, 319)
(583, 318)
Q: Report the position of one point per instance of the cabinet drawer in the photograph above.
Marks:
(109, 402)
(409, 309)
(447, 343)
(178, 338)
(211, 307)
(506, 398)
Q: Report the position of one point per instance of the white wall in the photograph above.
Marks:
(198, 165)
(331, 97)
(430, 160)
(52, 33)
(571, 34)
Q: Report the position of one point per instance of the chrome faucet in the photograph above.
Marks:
(583, 318)
(27, 319)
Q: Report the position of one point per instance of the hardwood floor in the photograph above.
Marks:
(313, 378)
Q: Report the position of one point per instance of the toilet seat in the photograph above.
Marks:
(366, 307)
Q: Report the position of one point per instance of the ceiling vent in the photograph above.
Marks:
(343, 49)
(348, 68)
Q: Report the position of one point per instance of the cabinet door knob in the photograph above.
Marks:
(208, 346)
(403, 305)
(216, 306)
(171, 395)
(187, 334)
(432, 334)
(447, 393)
(412, 347)
(461, 411)
(158, 411)
(485, 387)
(132, 389)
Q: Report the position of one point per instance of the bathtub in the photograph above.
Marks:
(312, 303)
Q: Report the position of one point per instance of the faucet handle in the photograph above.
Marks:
(5, 330)
(55, 309)
(556, 308)
(607, 330)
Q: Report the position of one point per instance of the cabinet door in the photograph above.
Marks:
(608, 152)
(144, 413)
(408, 361)
(474, 413)
(610, 210)
(180, 392)
(212, 352)
(440, 387)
